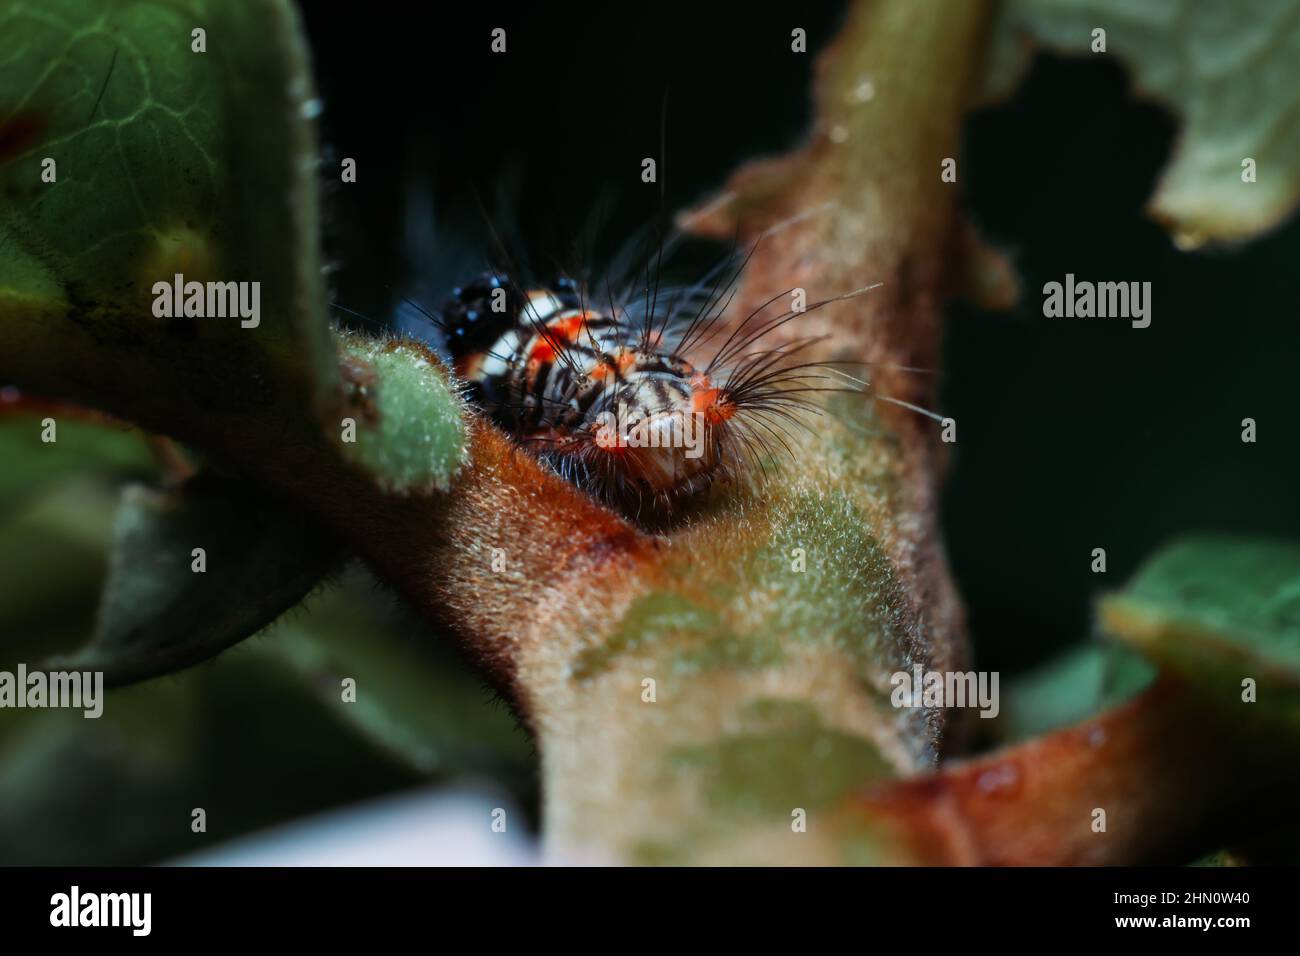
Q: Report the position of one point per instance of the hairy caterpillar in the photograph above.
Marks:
(609, 392)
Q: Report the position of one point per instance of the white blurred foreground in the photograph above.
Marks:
(434, 827)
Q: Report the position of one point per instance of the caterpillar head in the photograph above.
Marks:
(658, 438)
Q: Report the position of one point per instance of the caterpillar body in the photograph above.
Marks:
(607, 396)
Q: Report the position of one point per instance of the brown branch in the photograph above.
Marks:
(689, 691)
(1160, 767)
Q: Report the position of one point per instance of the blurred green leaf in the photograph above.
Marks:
(121, 789)
(1220, 611)
(1077, 685)
(79, 790)
(202, 163)
(1228, 70)
(168, 160)
(53, 561)
(422, 705)
(166, 607)
(31, 464)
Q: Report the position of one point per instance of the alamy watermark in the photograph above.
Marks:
(75, 908)
(675, 430)
(208, 300)
(919, 688)
(1098, 300)
(78, 690)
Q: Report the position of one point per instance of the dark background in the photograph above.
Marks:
(1073, 434)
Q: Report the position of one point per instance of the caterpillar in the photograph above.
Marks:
(605, 393)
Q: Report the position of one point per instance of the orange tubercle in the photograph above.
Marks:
(568, 328)
(713, 403)
(622, 362)
(561, 332)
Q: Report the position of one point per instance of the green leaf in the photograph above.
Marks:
(53, 561)
(120, 789)
(31, 464)
(415, 699)
(1227, 69)
(1068, 690)
(198, 738)
(160, 613)
(138, 753)
(1220, 611)
(166, 161)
